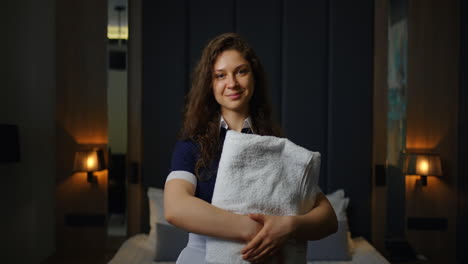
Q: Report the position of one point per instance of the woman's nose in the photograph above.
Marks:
(231, 81)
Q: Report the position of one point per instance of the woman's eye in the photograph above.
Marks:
(243, 71)
(219, 76)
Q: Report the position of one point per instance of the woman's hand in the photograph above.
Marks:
(275, 231)
(250, 228)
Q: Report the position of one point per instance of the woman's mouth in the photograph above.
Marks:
(234, 96)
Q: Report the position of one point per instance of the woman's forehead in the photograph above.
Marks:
(229, 59)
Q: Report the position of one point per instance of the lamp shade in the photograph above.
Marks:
(89, 160)
(423, 164)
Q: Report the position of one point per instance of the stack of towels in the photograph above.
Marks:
(267, 175)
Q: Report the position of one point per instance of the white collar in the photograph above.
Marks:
(247, 124)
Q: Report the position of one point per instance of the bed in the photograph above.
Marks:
(136, 251)
(164, 242)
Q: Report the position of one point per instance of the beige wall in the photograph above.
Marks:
(431, 119)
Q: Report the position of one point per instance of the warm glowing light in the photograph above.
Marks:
(114, 32)
(90, 162)
(423, 167)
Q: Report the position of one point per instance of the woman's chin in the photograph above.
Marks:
(237, 108)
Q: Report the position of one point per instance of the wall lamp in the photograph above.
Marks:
(423, 165)
(89, 161)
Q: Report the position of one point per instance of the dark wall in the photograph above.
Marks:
(462, 230)
(350, 107)
(27, 100)
(318, 57)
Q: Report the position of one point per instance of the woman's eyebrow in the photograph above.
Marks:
(239, 66)
(242, 65)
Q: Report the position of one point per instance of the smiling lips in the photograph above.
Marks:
(234, 96)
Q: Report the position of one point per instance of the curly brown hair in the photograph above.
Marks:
(202, 112)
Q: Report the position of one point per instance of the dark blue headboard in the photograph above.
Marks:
(318, 56)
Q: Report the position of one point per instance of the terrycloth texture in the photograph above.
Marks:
(268, 175)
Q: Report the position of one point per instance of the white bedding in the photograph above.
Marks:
(136, 250)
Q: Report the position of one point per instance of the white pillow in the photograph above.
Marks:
(166, 239)
(338, 246)
(334, 247)
(156, 204)
(339, 203)
(170, 241)
(156, 211)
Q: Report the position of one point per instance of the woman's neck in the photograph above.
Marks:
(234, 120)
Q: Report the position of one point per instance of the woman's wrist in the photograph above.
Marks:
(295, 226)
(249, 228)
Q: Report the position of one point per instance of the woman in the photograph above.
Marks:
(228, 92)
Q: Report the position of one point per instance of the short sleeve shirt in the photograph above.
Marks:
(184, 158)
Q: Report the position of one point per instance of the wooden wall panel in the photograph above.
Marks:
(82, 70)
(432, 119)
(81, 80)
(462, 219)
(379, 193)
(137, 205)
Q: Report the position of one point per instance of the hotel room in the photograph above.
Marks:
(92, 99)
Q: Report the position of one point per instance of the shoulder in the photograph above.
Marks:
(184, 156)
(185, 147)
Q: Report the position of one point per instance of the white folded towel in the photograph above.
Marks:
(268, 175)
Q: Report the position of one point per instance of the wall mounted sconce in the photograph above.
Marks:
(423, 165)
(89, 161)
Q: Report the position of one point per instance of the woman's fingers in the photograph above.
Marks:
(275, 231)
(258, 218)
(257, 239)
(254, 243)
(265, 254)
(256, 251)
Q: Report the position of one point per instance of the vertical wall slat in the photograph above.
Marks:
(207, 19)
(164, 84)
(304, 75)
(264, 34)
(350, 107)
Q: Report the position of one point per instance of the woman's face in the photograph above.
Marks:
(233, 82)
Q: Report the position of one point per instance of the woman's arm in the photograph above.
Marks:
(318, 223)
(184, 210)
